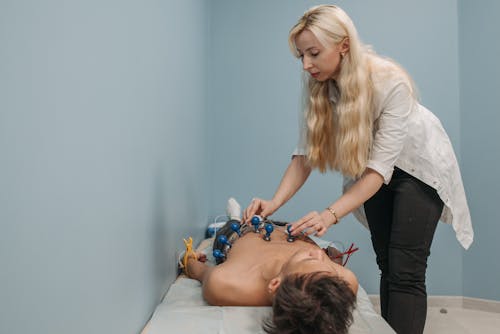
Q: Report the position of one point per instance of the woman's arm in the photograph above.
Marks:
(295, 176)
(369, 183)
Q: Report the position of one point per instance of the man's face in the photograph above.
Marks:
(308, 260)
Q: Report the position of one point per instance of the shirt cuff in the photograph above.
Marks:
(298, 151)
(384, 170)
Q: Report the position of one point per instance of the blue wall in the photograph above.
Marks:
(254, 112)
(479, 89)
(103, 155)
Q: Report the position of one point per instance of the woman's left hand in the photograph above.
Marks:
(312, 223)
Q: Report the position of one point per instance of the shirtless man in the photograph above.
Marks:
(308, 291)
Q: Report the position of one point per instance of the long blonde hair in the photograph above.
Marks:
(339, 136)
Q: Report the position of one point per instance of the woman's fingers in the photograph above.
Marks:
(247, 212)
(265, 209)
(259, 206)
(313, 229)
(252, 209)
(321, 231)
(303, 223)
(312, 223)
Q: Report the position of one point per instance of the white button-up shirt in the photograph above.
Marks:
(409, 136)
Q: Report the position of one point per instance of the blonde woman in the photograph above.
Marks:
(362, 118)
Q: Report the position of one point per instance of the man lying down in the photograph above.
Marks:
(309, 292)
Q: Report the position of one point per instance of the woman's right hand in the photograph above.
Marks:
(260, 207)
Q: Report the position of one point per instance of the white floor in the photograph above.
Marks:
(455, 319)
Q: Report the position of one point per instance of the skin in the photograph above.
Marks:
(323, 63)
(248, 278)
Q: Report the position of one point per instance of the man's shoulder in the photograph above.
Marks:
(224, 288)
(218, 285)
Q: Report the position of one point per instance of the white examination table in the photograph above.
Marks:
(183, 310)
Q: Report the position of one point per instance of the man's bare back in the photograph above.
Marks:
(254, 269)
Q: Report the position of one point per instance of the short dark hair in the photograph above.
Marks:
(311, 303)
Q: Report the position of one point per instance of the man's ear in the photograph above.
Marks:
(274, 284)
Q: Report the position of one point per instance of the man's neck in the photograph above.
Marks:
(270, 270)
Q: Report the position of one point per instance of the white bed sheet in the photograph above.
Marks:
(183, 310)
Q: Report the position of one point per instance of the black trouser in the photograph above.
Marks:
(403, 216)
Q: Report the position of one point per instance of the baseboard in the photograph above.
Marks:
(482, 304)
(453, 301)
(445, 301)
